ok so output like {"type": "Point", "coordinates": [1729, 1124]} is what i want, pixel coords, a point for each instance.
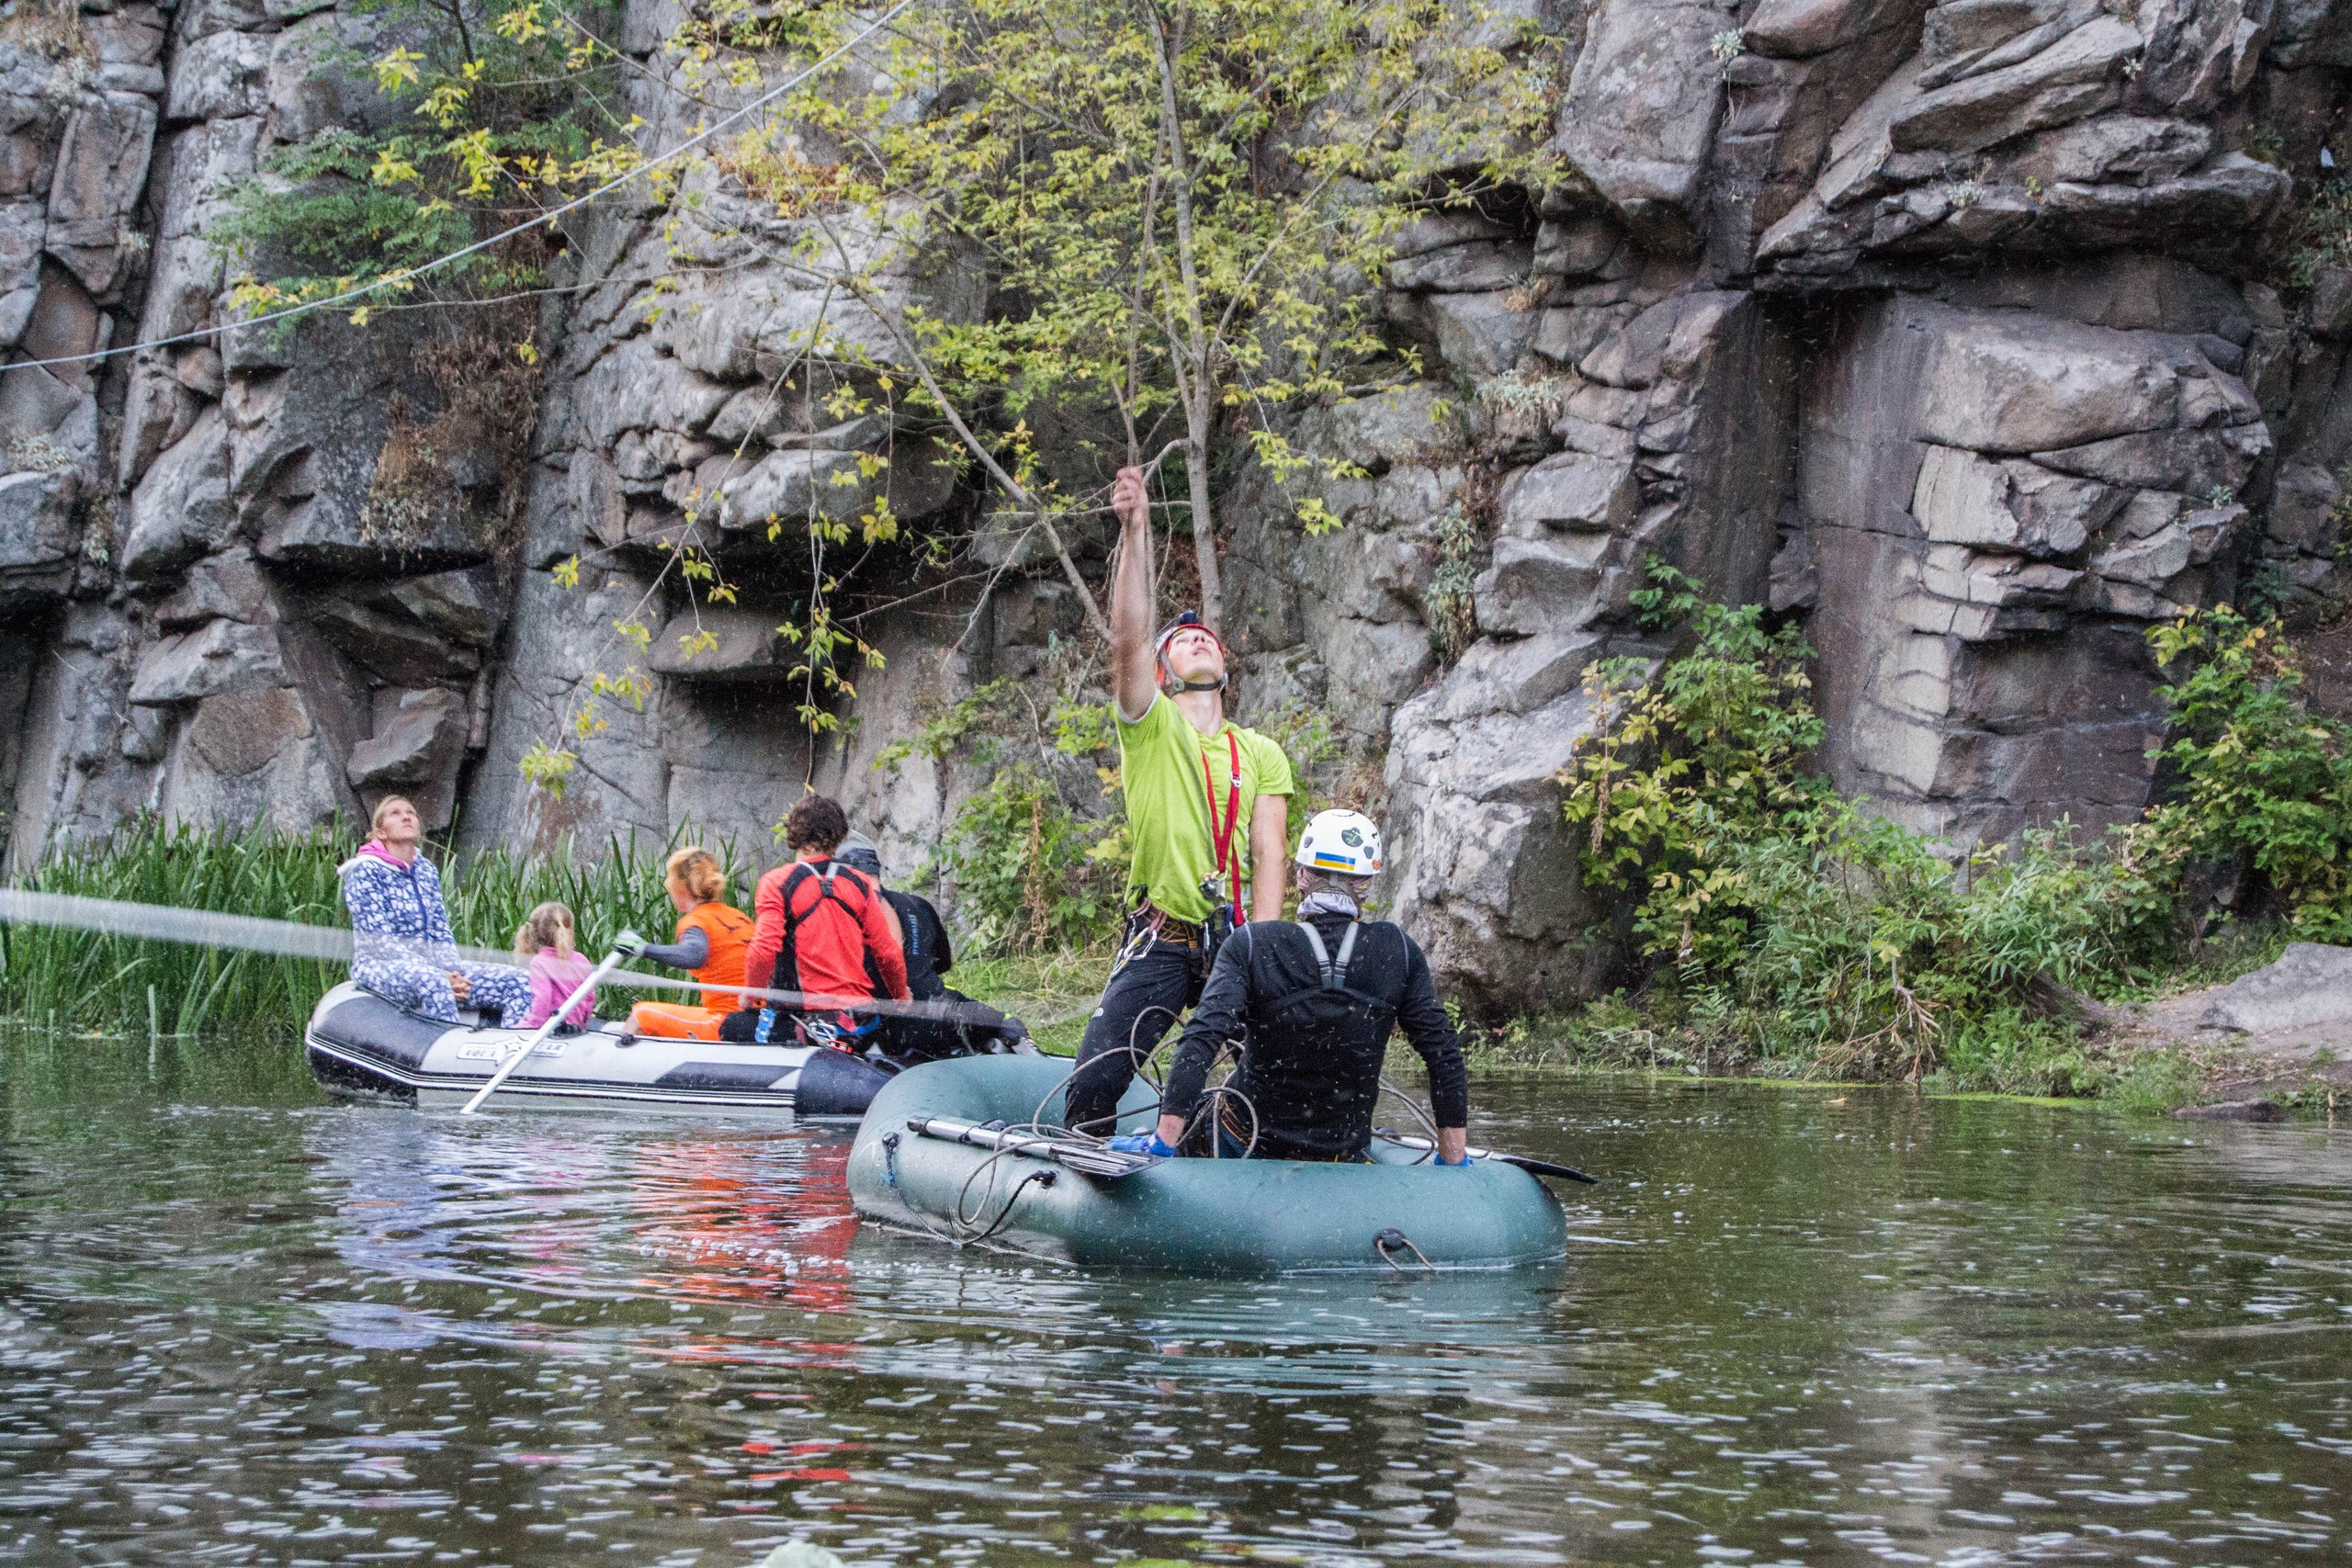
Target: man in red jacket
{"type": "Point", "coordinates": [818, 927]}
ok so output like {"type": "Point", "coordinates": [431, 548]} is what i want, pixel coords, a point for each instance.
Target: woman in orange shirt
{"type": "Point", "coordinates": [712, 937]}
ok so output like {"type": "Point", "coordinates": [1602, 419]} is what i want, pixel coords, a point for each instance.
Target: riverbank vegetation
{"type": "Point", "coordinates": [72, 979]}
{"type": "Point", "coordinates": [1772, 926]}
{"type": "Point", "coordinates": [1778, 927]}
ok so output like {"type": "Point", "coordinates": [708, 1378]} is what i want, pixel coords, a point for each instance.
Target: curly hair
{"type": "Point", "coordinates": [697, 871]}
{"type": "Point", "coordinates": [817, 823]}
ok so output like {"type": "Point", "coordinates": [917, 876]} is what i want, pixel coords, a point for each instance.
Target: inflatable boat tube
{"type": "Point", "coordinates": [360, 1046]}
{"type": "Point", "coordinates": [1194, 1216]}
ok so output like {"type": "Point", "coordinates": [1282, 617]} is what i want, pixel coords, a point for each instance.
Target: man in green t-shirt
{"type": "Point", "coordinates": [1206, 800]}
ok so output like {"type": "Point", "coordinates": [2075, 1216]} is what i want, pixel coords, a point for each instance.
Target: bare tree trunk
{"type": "Point", "coordinates": [1196, 470]}
{"type": "Point", "coordinates": [1195, 341]}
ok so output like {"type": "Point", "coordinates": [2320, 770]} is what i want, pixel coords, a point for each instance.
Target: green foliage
{"type": "Point", "coordinates": [318, 221]}
{"type": "Point", "coordinates": [1694, 766]}
{"type": "Point", "coordinates": [1461, 542]}
{"type": "Point", "coordinates": [509, 119]}
{"type": "Point", "coordinates": [1783, 916]}
{"type": "Point", "coordinates": [2321, 234]}
{"type": "Point", "coordinates": [1031, 874]}
{"type": "Point", "coordinates": [1035, 861]}
{"type": "Point", "coordinates": [1783, 920]}
{"type": "Point", "coordinates": [2260, 777]}
{"type": "Point", "coordinates": [1179, 210]}
{"type": "Point", "coordinates": [83, 980]}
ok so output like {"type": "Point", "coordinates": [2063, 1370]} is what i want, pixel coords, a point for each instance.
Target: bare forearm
{"type": "Point", "coordinates": [1269, 855]}
{"type": "Point", "coordinates": [1131, 598]}
{"type": "Point", "coordinates": [1131, 587]}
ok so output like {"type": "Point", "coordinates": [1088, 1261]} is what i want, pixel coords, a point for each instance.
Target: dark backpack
{"type": "Point", "coordinates": [1331, 1007]}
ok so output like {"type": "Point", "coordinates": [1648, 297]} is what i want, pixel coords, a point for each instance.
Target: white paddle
{"type": "Point", "coordinates": [612, 961]}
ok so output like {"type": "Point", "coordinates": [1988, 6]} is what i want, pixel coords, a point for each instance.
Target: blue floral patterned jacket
{"type": "Point", "coordinates": [397, 914]}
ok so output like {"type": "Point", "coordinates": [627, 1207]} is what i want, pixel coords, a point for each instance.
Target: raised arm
{"type": "Point", "coordinates": [1134, 683]}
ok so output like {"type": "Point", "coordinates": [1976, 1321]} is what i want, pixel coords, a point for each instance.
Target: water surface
{"type": "Point", "coordinates": [241, 1324]}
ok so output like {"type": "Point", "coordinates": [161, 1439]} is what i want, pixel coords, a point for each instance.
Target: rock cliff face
{"type": "Point", "coordinates": [1956, 330]}
{"type": "Point", "coordinates": [1975, 333]}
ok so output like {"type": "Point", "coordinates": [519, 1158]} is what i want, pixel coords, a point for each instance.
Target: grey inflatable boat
{"type": "Point", "coordinates": [360, 1046]}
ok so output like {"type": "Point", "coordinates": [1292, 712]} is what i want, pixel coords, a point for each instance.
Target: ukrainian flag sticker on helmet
{"type": "Point", "coordinates": [1344, 841]}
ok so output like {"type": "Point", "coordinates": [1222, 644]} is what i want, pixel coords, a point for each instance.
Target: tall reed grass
{"type": "Point", "coordinates": [82, 980]}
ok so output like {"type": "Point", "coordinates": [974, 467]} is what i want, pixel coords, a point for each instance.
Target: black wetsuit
{"type": "Point", "coordinates": [1314, 1082]}
{"type": "Point", "coordinates": [977, 1027]}
{"type": "Point", "coordinates": [924, 937]}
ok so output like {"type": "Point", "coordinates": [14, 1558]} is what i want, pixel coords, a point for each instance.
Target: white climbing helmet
{"type": "Point", "coordinates": [1343, 842]}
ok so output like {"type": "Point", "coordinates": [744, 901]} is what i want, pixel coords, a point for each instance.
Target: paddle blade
{"type": "Point", "coordinates": [1527, 1162]}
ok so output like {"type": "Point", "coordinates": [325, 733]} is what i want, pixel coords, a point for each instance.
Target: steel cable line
{"type": "Point", "coordinates": [407, 273]}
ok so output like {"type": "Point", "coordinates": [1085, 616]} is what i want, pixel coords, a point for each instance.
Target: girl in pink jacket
{"type": "Point", "coordinates": [557, 967]}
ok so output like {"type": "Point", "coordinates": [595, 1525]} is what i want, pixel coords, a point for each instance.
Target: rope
{"type": "Point", "coordinates": [1413, 1107]}
{"type": "Point", "coordinates": [548, 217]}
{"type": "Point", "coordinates": [292, 939]}
{"type": "Point", "coordinates": [1391, 1238]}
{"type": "Point", "coordinates": [1042, 1178]}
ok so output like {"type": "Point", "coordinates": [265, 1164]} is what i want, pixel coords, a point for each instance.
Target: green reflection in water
{"type": "Point", "coordinates": [241, 1324]}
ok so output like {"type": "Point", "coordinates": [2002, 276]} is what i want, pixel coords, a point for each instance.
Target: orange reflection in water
{"type": "Point", "coordinates": [741, 1229]}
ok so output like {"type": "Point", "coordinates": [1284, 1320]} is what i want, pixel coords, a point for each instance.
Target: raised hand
{"type": "Point", "coordinates": [1128, 499]}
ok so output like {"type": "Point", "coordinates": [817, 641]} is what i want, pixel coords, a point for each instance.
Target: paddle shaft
{"type": "Point", "coordinates": [1533, 1166]}
{"type": "Point", "coordinates": [612, 961]}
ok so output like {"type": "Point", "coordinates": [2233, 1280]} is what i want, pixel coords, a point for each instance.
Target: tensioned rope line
{"type": "Point", "coordinates": [407, 273]}
{"type": "Point", "coordinates": [291, 939]}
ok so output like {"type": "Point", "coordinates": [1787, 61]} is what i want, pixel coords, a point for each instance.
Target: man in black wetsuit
{"type": "Point", "coordinates": [1313, 1004]}
{"type": "Point", "coordinates": [922, 937]}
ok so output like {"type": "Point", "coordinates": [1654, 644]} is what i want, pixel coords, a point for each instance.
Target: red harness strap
{"type": "Point", "coordinates": [1227, 860]}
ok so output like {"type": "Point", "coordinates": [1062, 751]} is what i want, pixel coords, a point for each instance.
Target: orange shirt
{"type": "Point", "coordinates": [728, 932]}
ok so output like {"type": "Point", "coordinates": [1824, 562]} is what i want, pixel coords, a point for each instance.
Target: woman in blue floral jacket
{"type": "Point", "coordinates": [402, 947]}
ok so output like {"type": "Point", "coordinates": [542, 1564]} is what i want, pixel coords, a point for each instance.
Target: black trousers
{"type": "Point", "coordinates": [1144, 999]}
{"type": "Point", "coordinates": [977, 1029]}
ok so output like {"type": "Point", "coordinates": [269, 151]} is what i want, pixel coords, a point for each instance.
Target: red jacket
{"type": "Point", "coordinates": [828, 949]}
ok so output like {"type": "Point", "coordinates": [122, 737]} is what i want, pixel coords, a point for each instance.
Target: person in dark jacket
{"type": "Point", "coordinates": [1313, 1003]}
{"type": "Point", "coordinates": [975, 1027]}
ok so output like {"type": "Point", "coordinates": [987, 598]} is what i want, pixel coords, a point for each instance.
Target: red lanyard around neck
{"type": "Point", "coordinates": [1227, 860]}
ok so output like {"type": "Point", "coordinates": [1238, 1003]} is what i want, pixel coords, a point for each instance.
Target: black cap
{"type": "Point", "coordinates": [858, 852]}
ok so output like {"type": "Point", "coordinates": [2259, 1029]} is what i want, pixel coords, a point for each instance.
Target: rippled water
{"type": "Point", "coordinates": [241, 1324]}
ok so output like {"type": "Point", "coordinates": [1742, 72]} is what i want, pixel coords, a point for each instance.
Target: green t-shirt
{"type": "Point", "coordinates": [1168, 801]}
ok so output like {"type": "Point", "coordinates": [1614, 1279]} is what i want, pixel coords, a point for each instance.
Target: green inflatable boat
{"type": "Point", "coordinates": [929, 1157]}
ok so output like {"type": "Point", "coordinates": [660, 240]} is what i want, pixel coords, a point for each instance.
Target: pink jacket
{"type": "Point", "coordinates": [554, 977]}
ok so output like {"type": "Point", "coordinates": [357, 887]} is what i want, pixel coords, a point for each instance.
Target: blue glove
{"type": "Point", "coordinates": [1139, 1143]}
{"type": "Point", "coordinates": [1457, 1164]}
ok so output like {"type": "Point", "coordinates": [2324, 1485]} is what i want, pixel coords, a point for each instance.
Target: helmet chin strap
{"type": "Point", "coordinates": [1173, 685]}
